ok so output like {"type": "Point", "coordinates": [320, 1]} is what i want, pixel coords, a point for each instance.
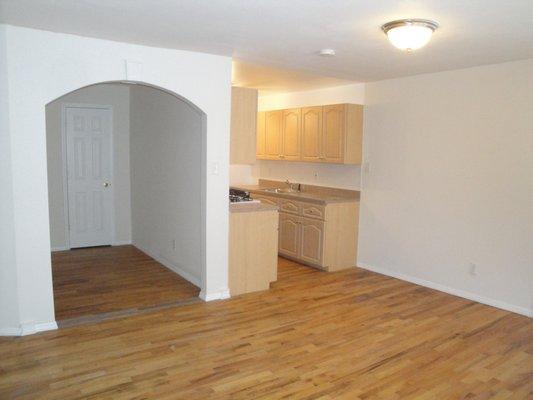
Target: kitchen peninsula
{"type": "Point", "coordinates": [253, 247]}
{"type": "Point", "coordinates": [318, 226]}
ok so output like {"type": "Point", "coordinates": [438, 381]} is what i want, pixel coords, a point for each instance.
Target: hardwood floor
{"type": "Point", "coordinates": [345, 335]}
{"type": "Point", "coordinates": [100, 280]}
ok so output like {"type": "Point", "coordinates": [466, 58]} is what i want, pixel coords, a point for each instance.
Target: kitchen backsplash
{"type": "Point", "coordinates": [341, 176]}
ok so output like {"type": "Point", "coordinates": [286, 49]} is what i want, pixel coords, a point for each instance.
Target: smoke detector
{"type": "Point", "coordinates": [326, 53]}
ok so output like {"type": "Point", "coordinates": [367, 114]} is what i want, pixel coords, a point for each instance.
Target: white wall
{"type": "Point", "coordinates": [117, 96]}
{"type": "Point", "coordinates": [333, 175]}
{"type": "Point", "coordinates": [42, 66]}
{"type": "Point", "coordinates": [354, 93]}
{"type": "Point", "coordinates": [9, 315]}
{"type": "Point", "coordinates": [451, 182]}
{"type": "Point", "coordinates": [166, 146]}
{"type": "Point", "coordinates": [342, 176]}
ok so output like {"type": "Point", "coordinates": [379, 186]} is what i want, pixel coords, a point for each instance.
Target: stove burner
{"type": "Point", "coordinates": [238, 199]}
{"type": "Point", "coordinates": [237, 196]}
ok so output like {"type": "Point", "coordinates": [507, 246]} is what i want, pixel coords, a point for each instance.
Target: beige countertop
{"type": "Point", "coordinates": [312, 194]}
{"type": "Point", "coordinates": [253, 207]}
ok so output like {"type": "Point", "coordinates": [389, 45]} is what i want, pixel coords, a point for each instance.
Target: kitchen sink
{"type": "Point", "coordinates": [280, 190]}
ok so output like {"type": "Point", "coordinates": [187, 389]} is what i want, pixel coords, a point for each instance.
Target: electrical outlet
{"type": "Point", "coordinates": [472, 268]}
{"type": "Point", "coordinates": [173, 244]}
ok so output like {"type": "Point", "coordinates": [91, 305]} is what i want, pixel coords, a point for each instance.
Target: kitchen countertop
{"type": "Point", "coordinates": [253, 207]}
{"type": "Point", "coordinates": [321, 196]}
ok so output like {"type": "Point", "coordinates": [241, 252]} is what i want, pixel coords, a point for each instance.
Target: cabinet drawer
{"type": "Point", "coordinates": [289, 206]}
{"type": "Point", "coordinates": [264, 199]}
{"type": "Point", "coordinates": [313, 211]}
{"type": "Point", "coordinates": [289, 235]}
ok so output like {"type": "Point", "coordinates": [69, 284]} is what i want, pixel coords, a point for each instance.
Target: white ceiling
{"type": "Point", "coordinates": [288, 33]}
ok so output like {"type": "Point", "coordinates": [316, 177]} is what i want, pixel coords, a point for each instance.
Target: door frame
{"type": "Point", "coordinates": [64, 107]}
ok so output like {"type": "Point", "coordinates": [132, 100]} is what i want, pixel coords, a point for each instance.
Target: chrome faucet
{"type": "Point", "coordinates": [291, 185]}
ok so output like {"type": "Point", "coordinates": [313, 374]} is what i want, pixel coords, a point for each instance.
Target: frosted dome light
{"type": "Point", "coordinates": [409, 34]}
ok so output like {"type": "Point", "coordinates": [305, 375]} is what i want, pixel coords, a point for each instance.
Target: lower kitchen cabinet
{"type": "Point", "coordinates": [311, 241]}
{"type": "Point", "coordinates": [289, 235]}
{"type": "Point", "coordinates": [301, 238]}
{"type": "Point", "coordinates": [323, 236]}
{"type": "Point", "coordinates": [253, 250]}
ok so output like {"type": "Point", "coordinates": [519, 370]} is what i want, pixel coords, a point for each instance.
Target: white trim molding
{"type": "Point", "coordinates": [121, 243]}
{"type": "Point", "coordinates": [13, 331]}
{"type": "Point", "coordinates": [29, 328]}
{"type": "Point", "coordinates": [59, 248]}
{"type": "Point", "coordinates": [221, 294]}
{"type": "Point", "coordinates": [115, 243]}
{"type": "Point", "coordinates": [446, 289]}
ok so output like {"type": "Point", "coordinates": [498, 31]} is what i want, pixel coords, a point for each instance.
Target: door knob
{"type": "Point", "coordinates": [106, 184]}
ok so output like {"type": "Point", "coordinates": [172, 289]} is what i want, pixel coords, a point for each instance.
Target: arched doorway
{"type": "Point", "coordinates": [39, 74]}
{"type": "Point", "coordinates": [150, 193]}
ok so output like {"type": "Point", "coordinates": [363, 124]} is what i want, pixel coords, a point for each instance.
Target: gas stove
{"type": "Point", "coordinates": [240, 196]}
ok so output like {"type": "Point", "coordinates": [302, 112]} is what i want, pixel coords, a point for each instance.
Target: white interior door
{"type": "Point", "coordinates": [89, 155]}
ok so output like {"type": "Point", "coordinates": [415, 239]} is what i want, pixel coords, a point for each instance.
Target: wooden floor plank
{"type": "Point", "coordinates": [98, 280]}
{"type": "Point", "coordinates": [345, 335]}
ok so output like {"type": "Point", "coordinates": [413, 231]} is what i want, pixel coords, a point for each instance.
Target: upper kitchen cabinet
{"type": "Point", "coordinates": [333, 133]}
{"type": "Point", "coordinates": [243, 125]}
{"type": "Point", "coordinates": [341, 138]}
{"type": "Point", "coordinates": [278, 135]}
{"type": "Point", "coordinates": [351, 128]}
{"type": "Point", "coordinates": [311, 133]}
{"type": "Point", "coordinates": [273, 135]}
{"type": "Point", "coordinates": [261, 136]}
{"type": "Point", "coordinates": [326, 134]}
{"type": "Point", "coordinates": [291, 133]}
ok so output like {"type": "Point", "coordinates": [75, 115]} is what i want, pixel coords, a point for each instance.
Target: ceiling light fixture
{"type": "Point", "coordinates": [326, 53]}
{"type": "Point", "coordinates": [409, 34]}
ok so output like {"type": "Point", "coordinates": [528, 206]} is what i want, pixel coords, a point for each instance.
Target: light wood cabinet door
{"type": "Point", "coordinates": [291, 133]}
{"type": "Point", "coordinates": [273, 139]}
{"type": "Point", "coordinates": [312, 134]}
{"type": "Point", "coordinates": [333, 133]}
{"type": "Point", "coordinates": [289, 235]}
{"type": "Point", "coordinates": [261, 138]}
{"type": "Point", "coordinates": [311, 241]}
{"type": "Point", "coordinates": [243, 125]}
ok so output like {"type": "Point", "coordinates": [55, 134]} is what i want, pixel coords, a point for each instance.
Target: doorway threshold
{"type": "Point", "coordinates": [97, 318]}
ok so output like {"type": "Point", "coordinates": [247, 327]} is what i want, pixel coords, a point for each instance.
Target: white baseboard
{"type": "Point", "coordinates": [218, 295]}
{"type": "Point", "coordinates": [121, 243]}
{"type": "Point", "coordinates": [59, 248]}
{"type": "Point", "coordinates": [28, 329]}
{"type": "Point", "coordinates": [171, 266]}
{"type": "Point", "coordinates": [453, 291]}
{"type": "Point", "coordinates": [115, 243]}
{"type": "Point", "coordinates": [10, 331]}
